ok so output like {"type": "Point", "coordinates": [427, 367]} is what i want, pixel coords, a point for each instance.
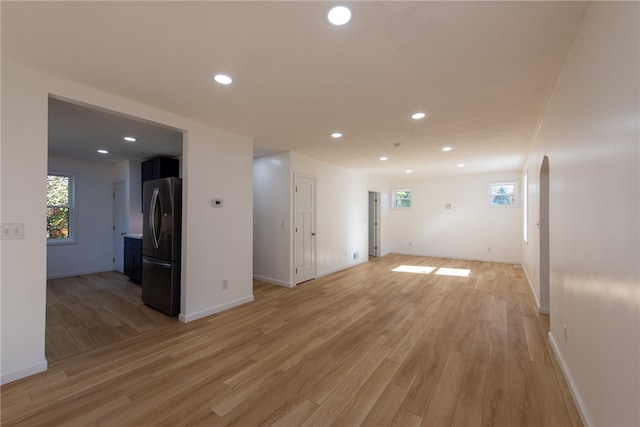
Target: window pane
{"type": "Point", "coordinates": [57, 223]}
{"type": "Point", "coordinates": [57, 190]}
{"type": "Point", "coordinates": [402, 198]}
{"type": "Point", "coordinates": [502, 194]}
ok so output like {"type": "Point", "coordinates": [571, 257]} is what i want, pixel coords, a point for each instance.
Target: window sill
{"type": "Point", "coordinates": [60, 242]}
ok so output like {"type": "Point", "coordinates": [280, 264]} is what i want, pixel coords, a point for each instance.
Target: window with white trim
{"type": "Point", "coordinates": [61, 220]}
{"type": "Point", "coordinates": [401, 198]}
{"type": "Point", "coordinates": [502, 194]}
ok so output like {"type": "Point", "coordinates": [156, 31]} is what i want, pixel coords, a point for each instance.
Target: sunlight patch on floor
{"type": "Point", "coordinates": [460, 272]}
{"type": "Point", "coordinates": [414, 269]}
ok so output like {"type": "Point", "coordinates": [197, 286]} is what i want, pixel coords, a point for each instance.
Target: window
{"type": "Point", "coordinates": [401, 199]}
{"type": "Point", "coordinates": [503, 194]}
{"type": "Point", "coordinates": [60, 208]}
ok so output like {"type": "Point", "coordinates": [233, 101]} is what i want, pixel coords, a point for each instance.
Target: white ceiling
{"type": "Point", "coordinates": [482, 71]}
{"type": "Point", "coordinates": [77, 131]}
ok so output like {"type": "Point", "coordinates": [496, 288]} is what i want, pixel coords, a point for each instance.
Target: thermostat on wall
{"type": "Point", "coordinates": [216, 203]}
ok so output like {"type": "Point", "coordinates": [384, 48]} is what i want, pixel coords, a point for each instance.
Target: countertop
{"type": "Point", "coordinates": [134, 236]}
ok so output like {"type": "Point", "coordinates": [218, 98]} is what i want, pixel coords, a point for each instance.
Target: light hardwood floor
{"type": "Point", "coordinates": [94, 310]}
{"type": "Point", "coordinates": [364, 346]}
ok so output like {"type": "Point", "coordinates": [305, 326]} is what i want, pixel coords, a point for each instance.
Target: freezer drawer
{"type": "Point", "coordinates": [161, 285]}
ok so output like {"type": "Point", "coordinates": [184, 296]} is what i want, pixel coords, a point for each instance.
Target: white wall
{"type": "Point", "coordinates": [591, 132]}
{"type": "Point", "coordinates": [469, 230]}
{"type": "Point", "coordinates": [342, 200]}
{"type": "Point", "coordinates": [24, 195]}
{"type": "Point", "coordinates": [93, 251]}
{"type": "Point", "coordinates": [272, 219]}
{"type": "Point", "coordinates": [217, 244]}
{"type": "Point", "coordinates": [341, 216]}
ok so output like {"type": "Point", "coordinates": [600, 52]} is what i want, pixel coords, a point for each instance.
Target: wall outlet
{"type": "Point", "coordinates": [225, 284]}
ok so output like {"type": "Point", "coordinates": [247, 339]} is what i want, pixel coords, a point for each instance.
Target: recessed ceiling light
{"type": "Point", "coordinates": [103, 152]}
{"type": "Point", "coordinates": [447, 148]}
{"type": "Point", "coordinates": [408, 171]}
{"type": "Point", "coordinates": [129, 138]}
{"type": "Point", "coordinates": [418, 116]}
{"type": "Point", "coordinates": [339, 15]}
{"type": "Point", "coordinates": [460, 165]}
{"type": "Point", "coordinates": [383, 158]}
{"type": "Point", "coordinates": [223, 79]}
{"type": "Point", "coordinates": [336, 135]}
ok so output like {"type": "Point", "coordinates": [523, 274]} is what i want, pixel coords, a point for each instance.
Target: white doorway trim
{"type": "Point", "coordinates": [545, 272]}
{"type": "Point", "coordinates": [120, 226]}
{"type": "Point", "coordinates": [374, 223]}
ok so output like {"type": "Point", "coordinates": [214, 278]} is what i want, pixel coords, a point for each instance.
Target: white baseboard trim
{"type": "Point", "coordinates": [586, 420]}
{"type": "Point", "coordinates": [497, 261]}
{"type": "Point", "coordinates": [24, 372]}
{"type": "Point", "coordinates": [274, 281]}
{"type": "Point", "coordinates": [79, 273]}
{"type": "Point", "coordinates": [344, 267]}
{"type": "Point", "coordinates": [186, 318]}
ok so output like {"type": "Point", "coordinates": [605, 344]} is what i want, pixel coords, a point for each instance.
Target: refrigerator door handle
{"type": "Point", "coordinates": [159, 264]}
{"type": "Point", "coordinates": [152, 216]}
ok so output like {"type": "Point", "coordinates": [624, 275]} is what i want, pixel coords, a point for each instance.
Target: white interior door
{"type": "Point", "coordinates": [304, 228]}
{"type": "Point", "coordinates": [119, 224]}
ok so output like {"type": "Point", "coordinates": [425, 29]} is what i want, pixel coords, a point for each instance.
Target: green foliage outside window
{"type": "Point", "coordinates": [402, 198]}
{"type": "Point", "coordinates": [58, 206]}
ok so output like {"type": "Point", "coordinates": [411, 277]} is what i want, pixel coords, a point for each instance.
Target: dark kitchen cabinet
{"type": "Point", "coordinates": [158, 167]}
{"type": "Point", "coordinates": [133, 258]}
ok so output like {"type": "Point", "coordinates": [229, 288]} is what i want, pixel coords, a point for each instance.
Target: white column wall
{"type": "Point", "coordinates": [591, 132]}
{"type": "Point", "coordinates": [24, 195]}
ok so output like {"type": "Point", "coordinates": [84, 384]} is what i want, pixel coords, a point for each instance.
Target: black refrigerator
{"type": "Point", "coordinates": [161, 246]}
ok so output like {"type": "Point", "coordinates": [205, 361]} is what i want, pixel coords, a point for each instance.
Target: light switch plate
{"type": "Point", "coordinates": [12, 231]}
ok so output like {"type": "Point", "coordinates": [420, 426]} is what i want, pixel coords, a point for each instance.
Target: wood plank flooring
{"type": "Point", "coordinates": [94, 310]}
{"type": "Point", "coordinates": [364, 346]}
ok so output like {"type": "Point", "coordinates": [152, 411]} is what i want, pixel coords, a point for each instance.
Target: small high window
{"type": "Point", "coordinates": [503, 194]}
{"type": "Point", "coordinates": [401, 198]}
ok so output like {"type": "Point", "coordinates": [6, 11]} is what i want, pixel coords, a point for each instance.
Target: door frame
{"type": "Point", "coordinates": [118, 255]}
{"type": "Point", "coordinates": [374, 223]}
{"type": "Point", "coordinates": [543, 230]}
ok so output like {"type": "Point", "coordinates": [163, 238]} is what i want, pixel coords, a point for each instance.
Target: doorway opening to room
{"type": "Point", "coordinates": [98, 154]}
{"type": "Point", "coordinates": [374, 224]}
{"type": "Point", "coordinates": [545, 285]}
